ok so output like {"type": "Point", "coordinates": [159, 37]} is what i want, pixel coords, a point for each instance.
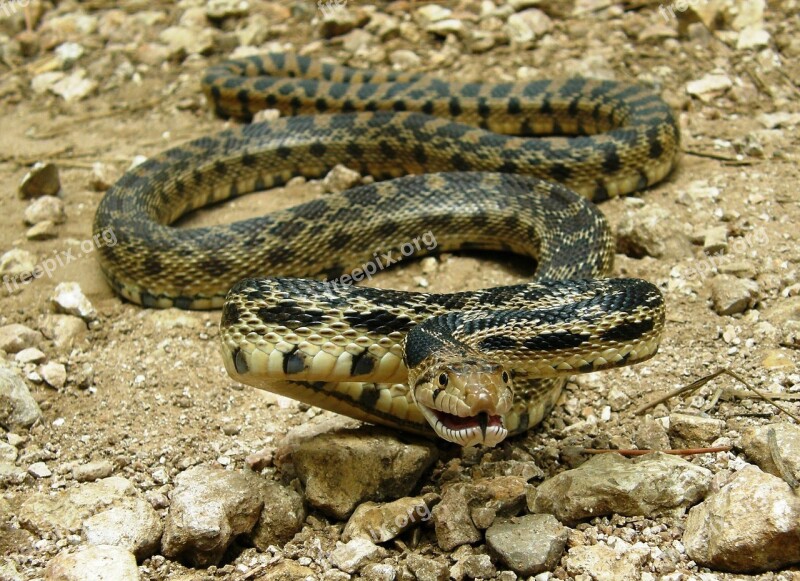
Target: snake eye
{"type": "Point", "coordinates": [443, 379]}
{"type": "Point", "coordinates": [505, 377]}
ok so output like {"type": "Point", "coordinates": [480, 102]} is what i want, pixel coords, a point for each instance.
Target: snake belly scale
{"type": "Point", "coordinates": [470, 367]}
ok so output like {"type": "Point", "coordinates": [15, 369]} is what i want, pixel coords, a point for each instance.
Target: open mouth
{"type": "Point", "coordinates": [469, 430]}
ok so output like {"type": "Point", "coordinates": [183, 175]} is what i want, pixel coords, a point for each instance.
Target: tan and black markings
{"type": "Point", "coordinates": [481, 364]}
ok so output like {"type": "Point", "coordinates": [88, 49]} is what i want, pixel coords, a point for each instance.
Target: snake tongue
{"type": "Point", "coordinates": [483, 423]}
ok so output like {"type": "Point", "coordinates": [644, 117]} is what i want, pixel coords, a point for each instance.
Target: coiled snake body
{"type": "Point", "coordinates": [471, 367]}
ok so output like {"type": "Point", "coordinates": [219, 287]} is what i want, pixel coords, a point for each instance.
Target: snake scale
{"type": "Point", "coordinates": [471, 367]}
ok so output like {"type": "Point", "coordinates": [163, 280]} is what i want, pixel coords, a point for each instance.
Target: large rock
{"type": "Point", "coordinates": [209, 508]}
{"type": "Point", "coordinates": [282, 517]}
{"type": "Point", "coordinates": [755, 442]}
{"type": "Point", "coordinates": [343, 469]}
{"type": "Point", "coordinates": [93, 563]}
{"type": "Point", "coordinates": [529, 544]}
{"type": "Point", "coordinates": [18, 409]}
{"type": "Point", "coordinates": [752, 524]}
{"type": "Point", "coordinates": [611, 484]}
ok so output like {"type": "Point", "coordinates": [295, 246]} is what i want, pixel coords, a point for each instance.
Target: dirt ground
{"type": "Point", "coordinates": [160, 398]}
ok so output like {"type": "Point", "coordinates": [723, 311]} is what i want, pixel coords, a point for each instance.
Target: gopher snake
{"type": "Point", "coordinates": [483, 364]}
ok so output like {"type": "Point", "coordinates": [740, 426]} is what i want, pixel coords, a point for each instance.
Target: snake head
{"type": "Point", "coordinates": [465, 401]}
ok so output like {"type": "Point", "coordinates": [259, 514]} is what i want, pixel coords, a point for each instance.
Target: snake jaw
{"type": "Point", "coordinates": [465, 402]}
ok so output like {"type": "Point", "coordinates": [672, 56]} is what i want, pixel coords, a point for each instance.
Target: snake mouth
{"type": "Point", "coordinates": [482, 428]}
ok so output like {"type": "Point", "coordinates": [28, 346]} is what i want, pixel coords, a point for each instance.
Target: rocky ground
{"type": "Point", "coordinates": [127, 452]}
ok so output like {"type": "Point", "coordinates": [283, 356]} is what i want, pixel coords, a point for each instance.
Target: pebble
{"type": "Point", "coordinates": [41, 180]}
{"type": "Point", "coordinates": [103, 176]}
{"type": "Point", "coordinates": [92, 471]}
{"type": "Point", "coordinates": [74, 87]}
{"type": "Point", "coordinates": [132, 524]}
{"type": "Point", "coordinates": [752, 524]}
{"type": "Point", "coordinates": [710, 87]}
{"type": "Point", "coordinates": [182, 41]}
{"type": "Point", "coordinates": [18, 409]}
{"type": "Point", "coordinates": [529, 544]}
{"type": "Point", "coordinates": [715, 240]}
{"type": "Point", "coordinates": [45, 230]}
{"type": "Point", "coordinates": [95, 563]}
{"type": "Point", "coordinates": [39, 470]}
{"type": "Point", "coordinates": [370, 465]}
{"type": "Point", "coordinates": [753, 38]}
{"type": "Point", "coordinates": [339, 179]}
{"type": "Point", "coordinates": [403, 59]}
{"type": "Point", "coordinates": [651, 435]}
{"type": "Point", "coordinates": [378, 572]}
{"type": "Point", "coordinates": [477, 567]}
{"type": "Point", "coordinates": [622, 562]}
{"type": "Point", "coordinates": [525, 27]}
{"type": "Point", "coordinates": [65, 331]}
{"type": "Point", "coordinates": [383, 522]}
{"type": "Point", "coordinates": [778, 361]}
{"type": "Point", "coordinates": [453, 522]}
{"type": "Point", "coordinates": [731, 295]}
{"type": "Point", "coordinates": [54, 374]}
{"type": "Point", "coordinates": [68, 53]}
{"type": "Point", "coordinates": [69, 299]}
{"type": "Point", "coordinates": [425, 569]}
{"type": "Point", "coordinates": [610, 483]}
{"type": "Point", "coordinates": [209, 508]}
{"type": "Point", "coordinates": [15, 338]}
{"type": "Point", "coordinates": [282, 517]}
{"type": "Point", "coordinates": [17, 264]}
{"type": "Point", "coordinates": [340, 20]}
{"type": "Point", "coordinates": [642, 232]}
{"type": "Point", "coordinates": [447, 26]}
{"type": "Point", "coordinates": [355, 554]}
{"type": "Point", "coordinates": [221, 9]}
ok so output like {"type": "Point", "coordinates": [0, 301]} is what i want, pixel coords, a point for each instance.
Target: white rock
{"type": "Point", "coordinates": [95, 563]}
{"type": "Point", "coordinates": [74, 87]}
{"type": "Point", "coordinates": [404, 59]}
{"type": "Point", "coordinates": [45, 208]}
{"type": "Point", "coordinates": [44, 82]}
{"type": "Point", "coordinates": [54, 374]}
{"type": "Point", "coordinates": [709, 87]}
{"type": "Point", "coordinates": [16, 263]}
{"type": "Point", "coordinates": [68, 53]}
{"type": "Point", "coordinates": [39, 470]}
{"type": "Point", "coordinates": [432, 13]}
{"type": "Point", "coordinates": [752, 38]}
{"type": "Point", "coordinates": [356, 553]}
{"type": "Point", "coordinates": [30, 355]}
{"type": "Point", "coordinates": [70, 300]}
{"type": "Point", "coordinates": [528, 25]}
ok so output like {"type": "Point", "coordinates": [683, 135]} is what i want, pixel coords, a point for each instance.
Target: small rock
{"type": "Point", "coordinates": [17, 267]}
{"type": "Point", "coordinates": [453, 522]}
{"type": "Point", "coordinates": [95, 563]}
{"type": "Point", "coordinates": [739, 269]}
{"type": "Point", "coordinates": [529, 544]}
{"type": "Point", "coordinates": [383, 522]}
{"type": "Point", "coordinates": [355, 554]}
{"type": "Point", "coordinates": [30, 355]}
{"type": "Point", "coordinates": [18, 409]}
{"type": "Point", "coordinates": [403, 59]}
{"type": "Point", "coordinates": [41, 180]}
{"type": "Point", "coordinates": [44, 82]}
{"type": "Point", "coordinates": [282, 517]}
{"type": "Point", "coordinates": [643, 232]}
{"type": "Point", "coordinates": [731, 295]}
{"type": "Point", "coordinates": [183, 41]}
{"type": "Point", "coordinates": [750, 525]}
{"type": "Point", "coordinates": [431, 13]}
{"type": "Point", "coordinates": [340, 178]}
{"type": "Point", "coordinates": [210, 507]}
{"type": "Point", "coordinates": [70, 300]}
{"type": "Point", "coordinates": [222, 9]}
{"type": "Point", "coordinates": [92, 471]}
{"type": "Point", "coordinates": [54, 374]}
{"type": "Point", "coordinates": [74, 87]}
{"type": "Point", "coordinates": [622, 562]}
{"type": "Point", "coordinates": [691, 431]}
{"type": "Point", "coordinates": [526, 26]}
{"type": "Point", "coordinates": [338, 19]}
{"type": "Point", "coordinates": [39, 470]}
{"type": "Point", "coordinates": [610, 483]}
{"type": "Point", "coordinates": [447, 26]}
{"type": "Point", "coordinates": [371, 465]}
{"type": "Point", "coordinates": [715, 240]}
{"type": "Point", "coordinates": [103, 176]}
{"type": "Point", "coordinates": [42, 231]}
{"type": "Point", "coordinates": [752, 38]}
{"type": "Point", "coordinates": [478, 567]}
{"type": "Point", "coordinates": [425, 569]}
{"type": "Point", "coordinates": [378, 572]}
{"type": "Point", "coordinates": [755, 442]}
{"type": "Point", "coordinates": [651, 435]}
{"type": "Point", "coordinates": [65, 330]}
{"type": "Point", "coordinates": [709, 87]}
{"type": "Point", "coordinates": [778, 361]}
{"type": "Point", "coordinates": [132, 524]}
{"type": "Point", "coordinates": [15, 337]}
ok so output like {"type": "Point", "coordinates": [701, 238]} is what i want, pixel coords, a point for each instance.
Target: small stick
{"type": "Point", "coordinates": [719, 157]}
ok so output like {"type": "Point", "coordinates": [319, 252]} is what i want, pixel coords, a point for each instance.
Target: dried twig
{"type": "Point", "coordinates": [703, 380]}
{"type": "Point", "coordinates": [719, 157]}
{"type": "Point", "coordinates": [676, 452]}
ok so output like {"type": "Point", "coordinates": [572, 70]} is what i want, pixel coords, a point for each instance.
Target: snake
{"type": "Point", "coordinates": [507, 167]}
